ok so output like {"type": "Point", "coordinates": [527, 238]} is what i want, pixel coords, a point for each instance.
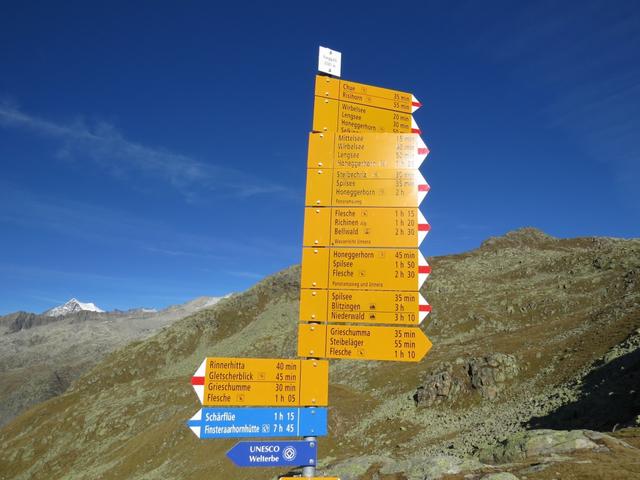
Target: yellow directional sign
{"type": "Point", "coordinates": [364, 226]}
{"type": "Point", "coordinates": [363, 268]}
{"type": "Point", "coordinates": [365, 150]}
{"type": "Point", "coordinates": [334, 116]}
{"type": "Point", "coordinates": [227, 381]}
{"type": "Point", "coordinates": [328, 87]}
{"type": "Point", "coordinates": [358, 342]}
{"type": "Point", "coordinates": [367, 187]}
{"type": "Point", "coordinates": [363, 306]}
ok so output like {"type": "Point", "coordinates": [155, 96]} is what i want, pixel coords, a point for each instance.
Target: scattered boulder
{"type": "Point", "coordinates": [486, 375]}
{"type": "Point", "coordinates": [541, 443]}
{"type": "Point", "coordinates": [417, 468]}
{"type": "Point", "coordinates": [442, 386]}
{"type": "Point", "coordinates": [432, 467]}
{"type": "Point", "coordinates": [489, 373]}
{"type": "Point", "coordinates": [356, 467]}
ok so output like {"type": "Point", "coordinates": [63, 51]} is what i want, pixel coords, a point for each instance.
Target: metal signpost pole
{"type": "Point", "coordinates": [329, 62]}
{"type": "Point", "coordinates": [309, 471]}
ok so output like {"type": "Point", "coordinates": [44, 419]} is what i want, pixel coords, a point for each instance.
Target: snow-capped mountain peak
{"type": "Point", "coordinates": [72, 306]}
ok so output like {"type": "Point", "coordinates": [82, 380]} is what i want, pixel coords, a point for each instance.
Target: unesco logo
{"type": "Point", "coordinates": [289, 454]}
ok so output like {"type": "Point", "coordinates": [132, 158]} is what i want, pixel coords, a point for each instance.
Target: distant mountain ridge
{"type": "Point", "coordinates": [72, 306]}
{"type": "Point", "coordinates": [42, 354]}
{"type": "Point", "coordinates": [22, 320]}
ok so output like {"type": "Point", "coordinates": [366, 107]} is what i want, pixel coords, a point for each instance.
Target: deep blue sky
{"type": "Point", "coordinates": [152, 152]}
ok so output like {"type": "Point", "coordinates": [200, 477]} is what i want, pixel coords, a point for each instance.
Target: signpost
{"type": "Point", "coordinates": [362, 271]}
{"type": "Point", "coordinates": [327, 87]}
{"type": "Point", "coordinates": [274, 454]}
{"type": "Point", "coordinates": [258, 422]}
{"type": "Point", "coordinates": [343, 117]}
{"type": "Point", "coordinates": [360, 342]}
{"type": "Point", "coordinates": [363, 268]}
{"type": "Point", "coordinates": [365, 227]}
{"type": "Point", "coordinates": [370, 187]}
{"type": "Point", "coordinates": [365, 150]}
{"type": "Point", "coordinates": [227, 381]}
{"type": "Point", "coordinates": [355, 306]}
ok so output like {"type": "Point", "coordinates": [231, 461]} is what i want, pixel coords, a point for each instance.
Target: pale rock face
{"type": "Point", "coordinates": [72, 306]}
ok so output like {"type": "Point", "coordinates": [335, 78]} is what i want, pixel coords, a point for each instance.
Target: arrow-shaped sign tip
{"type": "Point", "coordinates": [197, 381]}
{"type": "Point", "coordinates": [423, 307]}
{"type": "Point", "coordinates": [415, 104]}
{"type": "Point", "coordinates": [423, 188]}
{"type": "Point", "coordinates": [194, 423]}
{"type": "Point", "coordinates": [422, 150]}
{"type": "Point", "coordinates": [414, 127]}
{"type": "Point", "coordinates": [423, 227]}
{"type": "Point", "coordinates": [424, 345]}
{"type": "Point", "coordinates": [423, 269]}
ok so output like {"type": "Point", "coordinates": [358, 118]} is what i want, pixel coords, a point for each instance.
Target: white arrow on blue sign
{"type": "Point", "coordinates": [259, 422]}
{"type": "Point", "coordinates": [295, 453]}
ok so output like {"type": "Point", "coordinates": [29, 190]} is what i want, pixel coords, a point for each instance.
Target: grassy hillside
{"type": "Point", "coordinates": [521, 327]}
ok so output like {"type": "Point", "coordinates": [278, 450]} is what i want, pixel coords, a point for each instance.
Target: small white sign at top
{"type": "Point", "coordinates": [329, 61]}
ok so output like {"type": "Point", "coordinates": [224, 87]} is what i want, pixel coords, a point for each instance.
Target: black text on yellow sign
{"type": "Point", "coordinates": [343, 117]}
{"type": "Point", "coordinates": [226, 381]}
{"type": "Point", "coordinates": [359, 342]}
{"type": "Point", "coordinates": [363, 268]}
{"type": "Point", "coordinates": [364, 227]}
{"type": "Point", "coordinates": [344, 90]}
{"type": "Point", "coordinates": [363, 306]}
{"type": "Point", "coordinates": [366, 150]}
{"type": "Point", "coordinates": [370, 187]}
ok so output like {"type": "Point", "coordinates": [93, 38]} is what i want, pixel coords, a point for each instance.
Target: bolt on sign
{"type": "Point", "coordinates": [224, 381]}
{"type": "Point", "coordinates": [361, 264]}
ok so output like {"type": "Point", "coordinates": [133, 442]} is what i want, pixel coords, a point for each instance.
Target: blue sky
{"type": "Point", "coordinates": [155, 152]}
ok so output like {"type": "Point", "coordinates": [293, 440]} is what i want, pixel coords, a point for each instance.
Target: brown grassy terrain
{"type": "Point", "coordinates": [564, 313]}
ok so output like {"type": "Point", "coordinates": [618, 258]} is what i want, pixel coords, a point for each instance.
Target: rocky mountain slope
{"type": "Point", "coordinates": [41, 355]}
{"type": "Point", "coordinates": [529, 332]}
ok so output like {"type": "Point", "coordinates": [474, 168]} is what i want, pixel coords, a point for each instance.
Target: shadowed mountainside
{"type": "Point", "coordinates": [518, 326]}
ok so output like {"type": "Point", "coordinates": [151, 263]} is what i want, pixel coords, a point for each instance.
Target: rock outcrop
{"type": "Point", "coordinates": [544, 443]}
{"type": "Point", "coordinates": [487, 375]}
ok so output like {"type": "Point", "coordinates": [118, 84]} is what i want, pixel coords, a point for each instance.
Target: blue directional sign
{"type": "Point", "coordinates": [259, 422]}
{"type": "Point", "coordinates": [295, 453]}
